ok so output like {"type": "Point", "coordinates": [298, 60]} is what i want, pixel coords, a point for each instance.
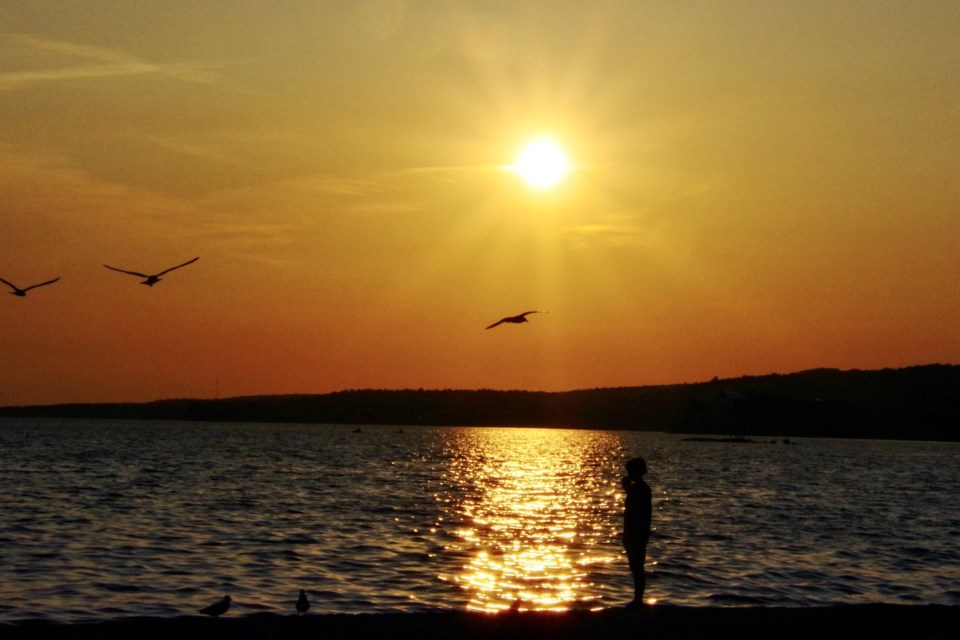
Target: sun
{"type": "Point", "coordinates": [541, 163]}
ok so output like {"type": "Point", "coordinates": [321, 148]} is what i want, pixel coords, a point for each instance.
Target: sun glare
{"type": "Point", "coordinates": [541, 163]}
{"type": "Point", "coordinates": [531, 532]}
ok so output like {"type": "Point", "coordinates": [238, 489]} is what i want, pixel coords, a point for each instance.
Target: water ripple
{"type": "Point", "coordinates": [107, 519]}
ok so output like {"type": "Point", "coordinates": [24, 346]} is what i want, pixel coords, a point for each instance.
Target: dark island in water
{"type": "Point", "coordinates": [914, 403]}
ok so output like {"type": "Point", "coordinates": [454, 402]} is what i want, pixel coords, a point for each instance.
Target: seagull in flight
{"type": "Point", "coordinates": [217, 608]}
{"type": "Point", "coordinates": [17, 291]}
{"type": "Point", "coordinates": [515, 319]}
{"type": "Point", "coordinates": [154, 279]}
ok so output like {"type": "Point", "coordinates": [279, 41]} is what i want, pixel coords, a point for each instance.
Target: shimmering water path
{"type": "Point", "coordinates": [105, 519]}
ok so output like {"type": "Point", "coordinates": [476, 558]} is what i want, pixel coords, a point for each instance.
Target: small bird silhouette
{"type": "Point", "coordinates": [217, 608]}
{"type": "Point", "coordinates": [154, 279]}
{"type": "Point", "coordinates": [515, 319]}
{"type": "Point", "coordinates": [17, 291]}
{"type": "Point", "coordinates": [303, 605]}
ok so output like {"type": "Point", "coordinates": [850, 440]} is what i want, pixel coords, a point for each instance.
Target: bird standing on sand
{"type": "Point", "coordinates": [17, 291]}
{"type": "Point", "coordinates": [515, 319]}
{"type": "Point", "coordinates": [303, 605]}
{"type": "Point", "coordinates": [217, 608]}
{"type": "Point", "coordinates": [154, 279]}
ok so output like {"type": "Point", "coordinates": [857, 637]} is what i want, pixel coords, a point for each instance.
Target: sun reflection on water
{"type": "Point", "coordinates": [539, 510]}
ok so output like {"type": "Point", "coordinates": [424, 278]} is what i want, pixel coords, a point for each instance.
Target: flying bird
{"type": "Point", "coordinates": [515, 319]}
{"type": "Point", "coordinates": [302, 603]}
{"type": "Point", "coordinates": [217, 608]}
{"type": "Point", "coordinates": [154, 279]}
{"type": "Point", "coordinates": [17, 291]}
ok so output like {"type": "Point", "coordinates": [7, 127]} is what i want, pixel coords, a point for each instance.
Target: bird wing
{"type": "Point", "coordinates": [10, 284]}
{"type": "Point", "coordinates": [133, 273]}
{"type": "Point", "coordinates": [42, 284]}
{"type": "Point", "coordinates": [496, 323]}
{"type": "Point", "coordinates": [178, 266]}
{"type": "Point", "coordinates": [526, 313]}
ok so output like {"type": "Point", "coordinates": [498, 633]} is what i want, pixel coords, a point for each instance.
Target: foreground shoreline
{"type": "Point", "coordinates": [661, 621]}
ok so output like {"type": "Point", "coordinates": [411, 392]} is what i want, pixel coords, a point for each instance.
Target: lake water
{"type": "Point", "coordinates": [102, 519]}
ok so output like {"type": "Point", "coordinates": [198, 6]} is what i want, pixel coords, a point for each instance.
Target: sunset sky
{"type": "Point", "coordinates": [754, 187]}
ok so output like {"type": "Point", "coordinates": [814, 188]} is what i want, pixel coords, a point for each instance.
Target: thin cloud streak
{"type": "Point", "coordinates": [111, 63]}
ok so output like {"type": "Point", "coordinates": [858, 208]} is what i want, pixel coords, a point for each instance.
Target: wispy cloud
{"type": "Point", "coordinates": [246, 235]}
{"type": "Point", "coordinates": [362, 195]}
{"type": "Point", "coordinates": [203, 149]}
{"type": "Point", "coordinates": [95, 62]}
{"type": "Point", "coordinates": [618, 231]}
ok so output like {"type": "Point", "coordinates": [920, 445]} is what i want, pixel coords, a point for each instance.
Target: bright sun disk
{"type": "Point", "coordinates": [541, 163]}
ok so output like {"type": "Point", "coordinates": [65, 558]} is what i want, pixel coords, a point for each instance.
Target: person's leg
{"type": "Point", "coordinates": [636, 557]}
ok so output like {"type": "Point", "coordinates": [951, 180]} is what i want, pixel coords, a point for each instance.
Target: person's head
{"type": "Point", "coordinates": [636, 467]}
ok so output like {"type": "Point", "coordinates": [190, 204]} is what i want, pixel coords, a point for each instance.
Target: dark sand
{"type": "Point", "coordinates": [663, 621]}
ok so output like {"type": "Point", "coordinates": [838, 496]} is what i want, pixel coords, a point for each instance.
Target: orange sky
{"type": "Point", "coordinates": [758, 187]}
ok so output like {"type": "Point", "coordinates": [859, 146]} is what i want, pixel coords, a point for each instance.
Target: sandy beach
{"type": "Point", "coordinates": [675, 623]}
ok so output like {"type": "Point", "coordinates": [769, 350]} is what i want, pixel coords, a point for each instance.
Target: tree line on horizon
{"type": "Point", "coordinates": [917, 403]}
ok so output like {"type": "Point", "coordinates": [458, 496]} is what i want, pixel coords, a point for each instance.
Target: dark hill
{"type": "Point", "coordinates": [917, 403]}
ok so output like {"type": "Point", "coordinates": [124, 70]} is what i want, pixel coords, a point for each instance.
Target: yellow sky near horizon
{"type": "Point", "coordinates": [757, 188]}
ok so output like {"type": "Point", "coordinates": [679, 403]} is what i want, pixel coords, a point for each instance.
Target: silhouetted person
{"type": "Point", "coordinates": [637, 515]}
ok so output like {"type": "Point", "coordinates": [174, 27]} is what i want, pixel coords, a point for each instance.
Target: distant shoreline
{"type": "Point", "coordinates": [675, 623]}
{"type": "Point", "coordinates": [911, 403]}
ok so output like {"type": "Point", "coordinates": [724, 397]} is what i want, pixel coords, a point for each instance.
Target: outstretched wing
{"type": "Point", "coordinates": [133, 273]}
{"type": "Point", "coordinates": [517, 318]}
{"type": "Point", "coordinates": [178, 266]}
{"type": "Point", "coordinates": [10, 284]}
{"type": "Point", "coordinates": [42, 284]}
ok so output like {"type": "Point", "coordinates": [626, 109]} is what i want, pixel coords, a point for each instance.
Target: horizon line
{"type": "Point", "coordinates": [715, 379]}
